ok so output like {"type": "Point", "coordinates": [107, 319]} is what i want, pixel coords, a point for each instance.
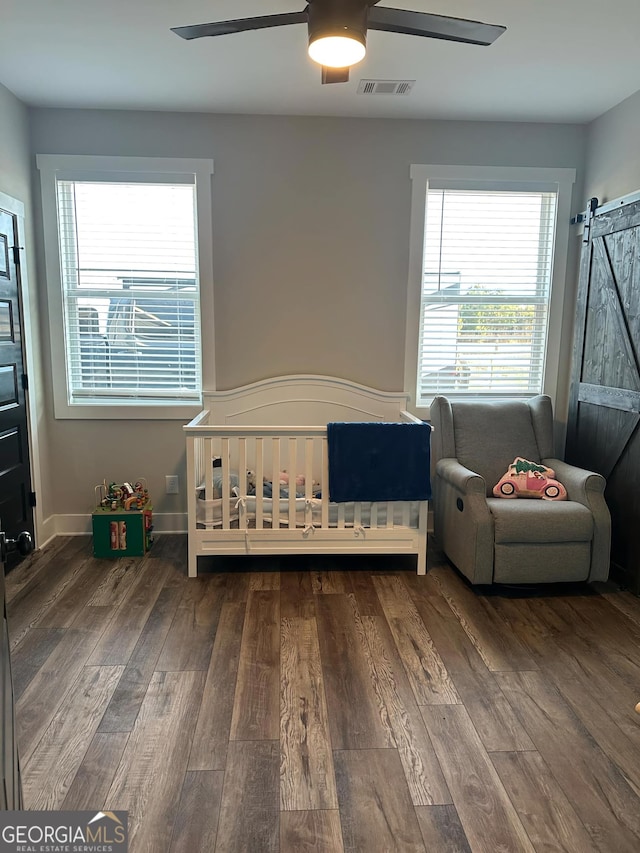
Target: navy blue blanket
{"type": "Point", "coordinates": [379, 461]}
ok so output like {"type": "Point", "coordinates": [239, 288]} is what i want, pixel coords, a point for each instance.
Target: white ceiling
{"type": "Point", "coordinates": [560, 60]}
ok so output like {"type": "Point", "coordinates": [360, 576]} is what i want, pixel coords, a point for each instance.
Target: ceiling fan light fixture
{"type": "Point", "coordinates": [337, 30]}
{"type": "Point", "coordinates": [337, 51]}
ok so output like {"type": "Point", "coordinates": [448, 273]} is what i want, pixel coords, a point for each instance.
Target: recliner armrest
{"type": "Point", "coordinates": [463, 524]}
{"type": "Point", "coordinates": [577, 481]}
{"type": "Point", "coordinates": [462, 478]}
{"type": "Point", "coordinates": [587, 488]}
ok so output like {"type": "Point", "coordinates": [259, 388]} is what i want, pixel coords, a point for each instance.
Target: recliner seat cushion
{"type": "Point", "coordinates": [489, 437]}
{"type": "Point", "coordinates": [540, 522]}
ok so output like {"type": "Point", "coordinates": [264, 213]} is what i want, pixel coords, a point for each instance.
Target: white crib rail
{"type": "Point", "coordinates": [262, 451]}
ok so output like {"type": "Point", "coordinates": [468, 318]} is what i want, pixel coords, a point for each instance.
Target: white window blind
{"type": "Point", "coordinates": [486, 288]}
{"type": "Point", "coordinates": [131, 304]}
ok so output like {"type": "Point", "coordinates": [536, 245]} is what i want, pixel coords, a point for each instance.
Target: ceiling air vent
{"type": "Point", "coordinates": [385, 87]}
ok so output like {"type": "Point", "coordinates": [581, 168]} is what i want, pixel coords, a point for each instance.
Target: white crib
{"type": "Point", "coordinates": [264, 428]}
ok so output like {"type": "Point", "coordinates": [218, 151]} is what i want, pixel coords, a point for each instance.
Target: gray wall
{"type": "Point", "coordinates": [15, 161]}
{"type": "Point", "coordinates": [310, 242]}
{"type": "Point", "coordinates": [16, 181]}
{"type": "Point", "coordinates": [613, 152]}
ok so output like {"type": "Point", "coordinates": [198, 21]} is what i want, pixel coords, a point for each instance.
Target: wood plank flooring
{"type": "Point", "coordinates": [341, 705]}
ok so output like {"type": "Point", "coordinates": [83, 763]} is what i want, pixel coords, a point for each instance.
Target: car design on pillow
{"type": "Point", "coordinates": [526, 479]}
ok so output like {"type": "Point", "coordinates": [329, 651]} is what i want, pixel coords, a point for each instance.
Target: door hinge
{"type": "Point", "coordinates": [25, 382]}
{"type": "Point", "coordinates": [16, 255]}
{"type": "Point", "coordinates": [32, 499]}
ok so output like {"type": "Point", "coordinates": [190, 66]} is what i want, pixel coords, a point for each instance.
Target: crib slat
{"type": "Point", "coordinates": [357, 514]}
{"type": "Point", "coordinates": [389, 515]}
{"type": "Point", "coordinates": [242, 482]}
{"type": "Point", "coordinates": [200, 457]}
{"type": "Point", "coordinates": [406, 513]}
{"type": "Point", "coordinates": [373, 519]}
{"type": "Point", "coordinates": [341, 516]}
{"type": "Point", "coordinates": [259, 480]}
{"type": "Point", "coordinates": [308, 481]}
{"type": "Point", "coordinates": [209, 453]}
{"type": "Point", "coordinates": [208, 471]}
{"type": "Point", "coordinates": [196, 443]}
{"type": "Point", "coordinates": [226, 484]}
{"type": "Point", "coordinates": [324, 484]}
{"type": "Point", "coordinates": [275, 482]}
{"type": "Point", "coordinates": [293, 454]}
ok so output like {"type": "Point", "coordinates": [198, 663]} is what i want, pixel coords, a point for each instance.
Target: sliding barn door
{"type": "Point", "coordinates": [604, 412]}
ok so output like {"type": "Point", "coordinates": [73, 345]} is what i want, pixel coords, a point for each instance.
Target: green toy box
{"type": "Point", "coordinates": [122, 533]}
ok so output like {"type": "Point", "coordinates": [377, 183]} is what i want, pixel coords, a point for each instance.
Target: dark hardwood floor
{"type": "Point", "coordinates": [325, 704]}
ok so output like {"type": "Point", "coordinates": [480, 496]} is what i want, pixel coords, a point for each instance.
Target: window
{"type": "Point", "coordinates": [485, 259]}
{"type": "Point", "coordinates": [124, 270]}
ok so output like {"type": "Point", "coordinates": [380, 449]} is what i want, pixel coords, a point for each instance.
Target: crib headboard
{"type": "Point", "coordinates": [302, 401]}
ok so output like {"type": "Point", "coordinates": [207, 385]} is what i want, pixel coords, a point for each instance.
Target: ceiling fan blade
{"type": "Point", "coordinates": [335, 75]}
{"type": "Point", "coordinates": [432, 26]}
{"type": "Point", "coordinates": [223, 28]}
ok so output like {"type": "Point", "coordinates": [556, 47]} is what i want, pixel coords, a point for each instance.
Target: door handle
{"type": "Point", "coordinates": [23, 544]}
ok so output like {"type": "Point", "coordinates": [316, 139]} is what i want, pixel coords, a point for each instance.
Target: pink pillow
{"type": "Point", "coordinates": [526, 479]}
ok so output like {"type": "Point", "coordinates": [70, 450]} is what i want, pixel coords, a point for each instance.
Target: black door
{"type": "Point", "coordinates": [604, 410]}
{"type": "Point", "coordinates": [15, 477]}
{"type": "Point", "coordinates": [11, 790]}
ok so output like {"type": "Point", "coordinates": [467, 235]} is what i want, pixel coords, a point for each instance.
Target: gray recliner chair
{"type": "Point", "coordinates": [493, 540]}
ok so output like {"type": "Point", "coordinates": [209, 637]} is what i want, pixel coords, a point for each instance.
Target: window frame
{"type": "Point", "coordinates": [54, 167]}
{"type": "Point", "coordinates": [486, 177]}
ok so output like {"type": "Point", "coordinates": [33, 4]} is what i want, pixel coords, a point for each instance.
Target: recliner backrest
{"type": "Point", "coordinates": [487, 436]}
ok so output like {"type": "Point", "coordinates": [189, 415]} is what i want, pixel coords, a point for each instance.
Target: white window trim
{"type": "Point", "coordinates": [562, 181]}
{"type": "Point", "coordinates": [54, 166]}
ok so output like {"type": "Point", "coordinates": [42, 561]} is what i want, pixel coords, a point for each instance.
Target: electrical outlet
{"type": "Point", "coordinates": [172, 484]}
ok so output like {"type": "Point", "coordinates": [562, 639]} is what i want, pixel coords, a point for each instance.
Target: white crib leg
{"type": "Point", "coordinates": [193, 560]}
{"type": "Point", "coordinates": [422, 538]}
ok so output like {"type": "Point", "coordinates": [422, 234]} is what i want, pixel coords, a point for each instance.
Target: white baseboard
{"type": "Point", "coordinates": [80, 525]}
{"type": "Point", "coordinates": [46, 531]}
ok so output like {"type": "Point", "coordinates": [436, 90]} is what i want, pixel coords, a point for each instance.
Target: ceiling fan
{"type": "Point", "coordinates": [338, 30]}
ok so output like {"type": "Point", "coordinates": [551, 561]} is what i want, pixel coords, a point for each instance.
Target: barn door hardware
{"type": "Point", "coordinates": [591, 211]}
